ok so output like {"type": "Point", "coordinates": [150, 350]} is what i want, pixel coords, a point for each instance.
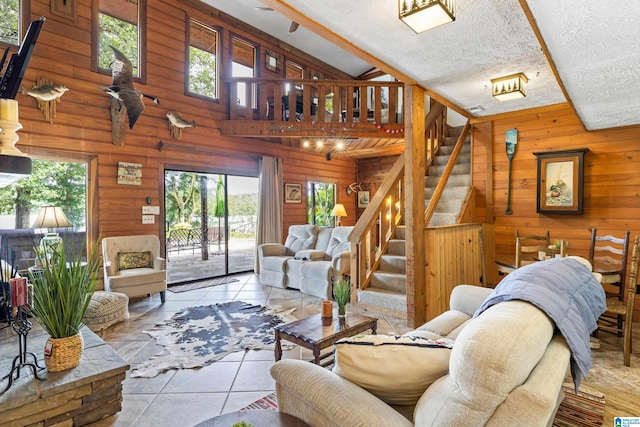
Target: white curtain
{"type": "Point", "coordinates": [270, 186]}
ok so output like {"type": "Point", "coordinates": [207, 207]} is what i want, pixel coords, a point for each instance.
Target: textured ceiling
{"type": "Point", "coordinates": [594, 46]}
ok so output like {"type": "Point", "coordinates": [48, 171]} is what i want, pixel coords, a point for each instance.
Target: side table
{"type": "Point", "coordinates": [311, 334]}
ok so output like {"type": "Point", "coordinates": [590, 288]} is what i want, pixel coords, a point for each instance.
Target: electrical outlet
{"type": "Point", "coordinates": [148, 219]}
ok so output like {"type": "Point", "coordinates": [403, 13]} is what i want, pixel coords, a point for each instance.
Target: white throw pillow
{"type": "Point", "coordinates": [396, 369]}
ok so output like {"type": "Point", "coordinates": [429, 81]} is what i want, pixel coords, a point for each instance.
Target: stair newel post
{"type": "Point", "coordinates": [511, 143]}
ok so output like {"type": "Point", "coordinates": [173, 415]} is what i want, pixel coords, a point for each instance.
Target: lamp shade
{"type": "Point", "coordinates": [423, 15]}
{"type": "Point", "coordinates": [338, 210]}
{"type": "Point", "coordinates": [51, 217]}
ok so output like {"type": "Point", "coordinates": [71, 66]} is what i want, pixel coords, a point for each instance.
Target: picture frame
{"type": "Point", "coordinates": [271, 61]}
{"type": "Point", "coordinates": [560, 186]}
{"type": "Point", "coordinates": [129, 173]}
{"type": "Point", "coordinates": [293, 193]}
{"type": "Point", "coordinates": [363, 199]}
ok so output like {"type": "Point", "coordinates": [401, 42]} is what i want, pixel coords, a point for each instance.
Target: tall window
{"type": "Point", "coordinates": [10, 22]}
{"type": "Point", "coordinates": [292, 71]}
{"type": "Point", "coordinates": [120, 24]}
{"type": "Point", "coordinates": [243, 64]}
{"type": "Point", "coordinates": [321, 197]}
{"type": "Point", "coordinates": [203, 64]}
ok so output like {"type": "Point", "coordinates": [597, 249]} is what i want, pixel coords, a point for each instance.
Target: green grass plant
{"type": "Point", "coordinates": [62, 289]}
{"type": "Point", "coordinates": [342, 292]}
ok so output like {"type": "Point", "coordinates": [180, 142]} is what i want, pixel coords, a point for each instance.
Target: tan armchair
{"type": "Point", "coordinates": [132, 265]}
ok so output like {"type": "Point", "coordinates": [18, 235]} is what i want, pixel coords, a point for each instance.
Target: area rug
{"type": "Point", "coordinates": [585, 409]}
{"type": "Point", "coordinates": [199, 336]}
{"type": "Point", "coordinates": [201, 284]}
{"type": "Point", "coordinates": [582, 410]}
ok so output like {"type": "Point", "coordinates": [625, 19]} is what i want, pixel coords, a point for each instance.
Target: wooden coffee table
{"type": "Point", "coordinates": [256, 417]}
{"type": "Point", "coordinates": [310, 333]}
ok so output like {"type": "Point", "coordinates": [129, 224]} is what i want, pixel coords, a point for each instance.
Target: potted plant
{"type": "Point", "coordinates": [62, 289]}
{"type": "Point", "coordinates": [342, 294]}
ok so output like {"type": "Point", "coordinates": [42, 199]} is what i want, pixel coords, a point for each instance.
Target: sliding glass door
{"type": "Point", "coordinates": [210, 224]}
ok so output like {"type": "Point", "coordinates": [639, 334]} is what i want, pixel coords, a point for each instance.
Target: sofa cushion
{"type": "Point", "coordinates": [128, 260]}
{"type": "Point", "coordinates": [300, 237]}
{"type": "Point", "coordinates": [339, 241]}
{"type": "Point", "coordinates": [396, 369]}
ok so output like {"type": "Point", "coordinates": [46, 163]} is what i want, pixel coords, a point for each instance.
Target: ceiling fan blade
{"type": "Point", "coordinates": [293, 27]}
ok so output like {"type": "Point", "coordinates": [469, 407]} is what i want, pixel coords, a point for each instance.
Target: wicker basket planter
{"type": "Point", "coordinates": [61, 354]}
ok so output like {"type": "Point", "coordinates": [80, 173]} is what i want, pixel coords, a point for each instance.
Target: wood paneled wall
{"type": "Point", "coordinates": [611, 178]}
{"type": "Point", "coordinates": [82, 127]}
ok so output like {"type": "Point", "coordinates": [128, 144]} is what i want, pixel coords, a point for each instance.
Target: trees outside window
{"type": "Point", "coordinates": [203, 70]}
{"type": "Point", "coordinates": [120, 24]}
{"type": "Point", "coordinates": [10, 22]}
{"type": "Point", "coordinates": [321, 199]}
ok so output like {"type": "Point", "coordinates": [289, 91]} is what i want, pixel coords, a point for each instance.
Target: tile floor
{"type": "Point", "coordinates": [188, 396]}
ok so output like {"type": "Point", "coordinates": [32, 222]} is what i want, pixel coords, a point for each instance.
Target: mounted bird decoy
{"type": "Point", "coordinates": [124, 92]}
{"type": "Point", "coordinates": [177, 123]}
{"type": "Point", "coordinates": [47, 94]}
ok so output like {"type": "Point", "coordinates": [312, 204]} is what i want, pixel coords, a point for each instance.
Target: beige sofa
{"type": "Point", "coordinates": [506, 368]}
{"type": "Point", "coordinates": [310, 259]}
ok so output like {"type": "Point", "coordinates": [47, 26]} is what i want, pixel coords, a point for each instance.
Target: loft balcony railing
{"type": "Point", "coordinates": [310, 100]}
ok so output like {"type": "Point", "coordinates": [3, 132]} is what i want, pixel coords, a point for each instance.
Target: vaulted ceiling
{"type": "Point", "coordinates": [586, 54]}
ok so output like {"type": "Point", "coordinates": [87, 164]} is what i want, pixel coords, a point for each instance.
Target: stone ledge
{"type": "Point", "coordinates": [78, 396]}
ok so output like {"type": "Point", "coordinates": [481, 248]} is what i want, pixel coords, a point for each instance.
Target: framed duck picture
{"type": "Point", "coordinates": [560, 181]}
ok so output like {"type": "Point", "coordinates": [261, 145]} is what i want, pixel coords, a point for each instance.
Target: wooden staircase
{"type": "Point", "coordinates": [387, 292]}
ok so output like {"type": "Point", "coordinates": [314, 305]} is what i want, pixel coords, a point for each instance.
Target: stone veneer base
{"type": "Point", "coordinates": [76, 397]}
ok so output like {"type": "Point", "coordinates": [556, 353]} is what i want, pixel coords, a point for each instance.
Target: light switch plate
{"type": "Point", "coordinates": [148, 219]}
{"type": "Point", "coordinates": [151, 210]}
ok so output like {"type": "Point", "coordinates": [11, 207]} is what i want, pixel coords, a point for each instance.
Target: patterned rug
{"type": "Point", "coordinates": [201, 284]}
{"type": "Point", "coordinates": [581, 410]}
{"type": "Point", "coordinates": [198, 336]}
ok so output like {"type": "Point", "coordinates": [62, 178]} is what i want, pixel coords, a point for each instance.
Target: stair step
{"type": "Point", "coordinates": [463, 158]}
{"type": "Point", "coordinates": [439, 219]}
{"type": "Point", "coordinates": [400, 232]}
{"type": "Point", "coordinates": [395, 282]}
{"type": "Point", "coordinates": [447, 148]}
{"type": "Point", "coordinates": [454, 181]}
{"type": "Point", "coordinates": [396, 247]}
{"type": "Point", "coordinates": [447, 205]}
{"type": "Point", "coordinates": [393, 264]}
{"type": "Point", "coordinates": [458, 169]}
{"type": "Point", "coordinates": [449, 192]}
{"type": "Point", "coordinates": [383, 298]}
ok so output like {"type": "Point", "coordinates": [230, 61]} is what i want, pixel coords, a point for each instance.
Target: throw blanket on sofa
{"type": "Point", "coordinates": [568, 293]}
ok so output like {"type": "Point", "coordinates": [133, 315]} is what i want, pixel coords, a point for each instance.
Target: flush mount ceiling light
{"type": "Point", "coordinates": [509, 87]}
{"type": "Point", "coordinates": [423, 15]}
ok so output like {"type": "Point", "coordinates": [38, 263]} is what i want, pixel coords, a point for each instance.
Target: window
{"type": "Point", "coordinates": [321, 199]}
{"type": "Point", "coordinates": [119, 24]}
{"type": "Point", "coordinates": [293, 71]}
{"type": "Point", "coordinates": [203, 52]}
{"type": "Point", "coordinates": [243, 64]}
{"type": "Point", "coordinates": [52, 183]}
{"type": "Point", "coordinates": [10, 22]}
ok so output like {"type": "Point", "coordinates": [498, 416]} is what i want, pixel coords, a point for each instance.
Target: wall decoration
{"type": "Point", "coordinates": [512, 142]}
{"type": "Point", "coordinates": [293, 193]}
{"type": "Point", "coordinates": [177, 123]}
{"type": "Point", "coordinates": [271, 61]}
{"type": "Point", "coordinates": [129, 173]}
{"type": "Point", "coordinates": [560, 181]}
{"type": "Point", "coordinates": [47, 94]}
{"type": "Point", "coordinates": [363, 199]}
{"type": "Point", "coordinates": [65, 8]}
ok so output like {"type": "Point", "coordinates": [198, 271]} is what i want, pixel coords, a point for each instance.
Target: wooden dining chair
{"type": "Point", "coordinates": [608, 256]}
{"type": "Point", "coordinates": [530, 248]}
{"type": "Point", "coordinates": [624, 309]}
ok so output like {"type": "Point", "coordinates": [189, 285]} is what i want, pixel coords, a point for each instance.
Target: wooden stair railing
{"type": "Point", "coordinates": [385, 211]}
{"type": "Point", "coordinates": [376, 226]}
{"type": "Point", "coordinates": [315, 100]}
{"type": "Point", "coordinates": [442, 182]}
